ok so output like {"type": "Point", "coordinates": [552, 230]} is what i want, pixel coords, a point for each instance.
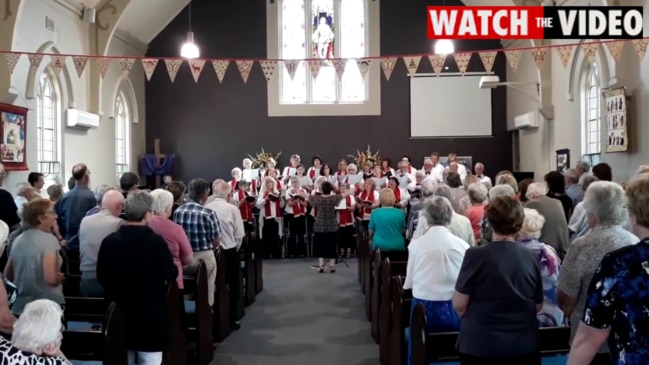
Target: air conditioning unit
{"type": "Point", "coordinates": [79, 119]}
{"type": "Point", "coordinates": [527, 120]}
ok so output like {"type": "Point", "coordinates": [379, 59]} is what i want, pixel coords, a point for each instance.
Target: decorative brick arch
{"type": "Point", "coordinates": [64, 84]}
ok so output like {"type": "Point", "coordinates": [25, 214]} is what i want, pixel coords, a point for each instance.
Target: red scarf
{"type": "Point", "coordinates": [298, 208]}
{"type": "Point", "coordinates": [409, 169]}
{"type": "Point", "coordinates": [267, 211]}
{"type": "Point", "coordinates": [367, 196]}
{"type": "Point", "coordinates": [267, 170]}
{"type": "Point", "coordinates": [341, 173]}
{"type": "Point", "coordinates": [345, 217]}
{"type": "Point", "coordinates": [278, 185]}
{"type": "Point", "coordinates": [246, 209]}
{"type": "Point", "coordinates": [312, 173]}
{"type": "Point", "coordinates": [233, 183]}
{"type": "Point", "coordinates": [397, 195]}
{"type": "Point", "coordinates": [253, 187]}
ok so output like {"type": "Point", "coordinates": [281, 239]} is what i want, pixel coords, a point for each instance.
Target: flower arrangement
{"type": "Point", "coordinates": [366, 156]}
{"type": "Point", "coordinates": [259, 161]}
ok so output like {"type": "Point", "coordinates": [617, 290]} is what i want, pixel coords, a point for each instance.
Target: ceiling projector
{"type": "Point", "coordinates": [489, 82]}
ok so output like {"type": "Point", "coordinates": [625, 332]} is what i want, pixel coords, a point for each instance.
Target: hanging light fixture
{"type": "Point", "coordinates": [190, 49]}
{"type": "Point", "coordinates": [444, 47]}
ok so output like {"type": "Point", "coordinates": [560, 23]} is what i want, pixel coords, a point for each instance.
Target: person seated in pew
{"type": "Point", "coordinates": [92, 231]}
{"type": "Point", "coordinates": [387, 224]}
{"type": "Point", "coordinates": [36, 336]}
{"type": "Point", "coordinates": [173, 234]}
{"type": "Point", "coordinates": [498, 293]}
{"type": "Point", "coordinates": [134, 266]}
{"type": "Point", "coordinates": [35, 260]}
{"type": "Point", "coordinates": [528, 237]}
{"type": "Point", "coordinates": [434, 262]}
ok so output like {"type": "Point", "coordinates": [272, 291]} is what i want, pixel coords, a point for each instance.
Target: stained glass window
{"type": "Point", "coordinates": [591, 124]}
{"type": "Point", "coordinates": [47, 124]}
{"type": "Point", "coordinates": [122, 128]}
{"type": "Point", "coordinates": [323, 30]}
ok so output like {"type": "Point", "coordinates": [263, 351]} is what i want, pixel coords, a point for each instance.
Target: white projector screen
{"type": "Point", "coordinates": [449, 106]}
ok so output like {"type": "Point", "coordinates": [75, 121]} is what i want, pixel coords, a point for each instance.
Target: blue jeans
{"type": "Point", "coordinates": [440, 317]}
{"type": "Point", "coordinates": [91, 288]}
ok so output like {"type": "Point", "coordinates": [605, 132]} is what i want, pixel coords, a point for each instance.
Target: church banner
{"type": "Point", "coordinates": [617, 136]}
{"type": "Point", "coordinates": [13, 146]}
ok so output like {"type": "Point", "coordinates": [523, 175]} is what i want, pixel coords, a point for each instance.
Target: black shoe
{"type": "Point", "coordinates": [235, 326]}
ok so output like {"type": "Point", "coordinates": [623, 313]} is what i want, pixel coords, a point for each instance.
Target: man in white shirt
{"type": "Point", "coordinates": [433, 169]}
{"type": "Point", "coordinates": [24, 194]}
{"type": "Point", "coordinates": [479, 173]}
{"type": "Point", "coordinates": [461, 169]}
{"type": "Point", "coordinates": [460, 225]}
{"type": "Point", "coordinates": [36, 180]}
{"type": "Point", "coordinates": [232, 234]}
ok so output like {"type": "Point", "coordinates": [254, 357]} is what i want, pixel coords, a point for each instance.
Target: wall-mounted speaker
{"type": "Point", "coordinates": [89, 15]}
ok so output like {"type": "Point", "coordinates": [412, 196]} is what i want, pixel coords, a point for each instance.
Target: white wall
{"type": "Point", "coordinates": [537, 146]}
{"type": "Point", "coordinates": [95, 147]}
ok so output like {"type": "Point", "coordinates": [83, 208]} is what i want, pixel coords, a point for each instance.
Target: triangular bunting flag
{"type": "Point", "coordinates": [35, 60]}
{"type": "Point", "coordinates": [268, 67]}
{"type": "Point", "coordinates": [58, 63]}
{"type": "Point", "coordinates": [80, 64]}
{"type": "Point", "coordinates": [363, 66]}
{"type": "Point", "coordinates": [615, 49]}
{"type": "Point", "coordinates": [513, 58]}
{"type": "Point", "coordinates": [220, 67]}
{"type": "Point", "coordinates": [196, 67]}
{"type": "Point", "coordinates": [437, 62]}
{"type": "Point", "coordinates": [640, 46]}
{"type": "Point", "coordinates": [339, 66]}
{"type": "Point", "coordinates": [412, 64]}
{"type": "Point", "coordinates": [102, 65]}
{"type": "Point", "coordinates": [564, 53]}
{"type": "Point", "coordinates": [314, 66]}
{"type": "Point", "coordinates": [387, 65]}
{"type": "Point", "coordinates": [462, 60]}
{"type": "Point", "coordinates": [590, 51]}
{"type": "Point", "coordinates": [12, 60]}
{"type": "Point", "coordinates": [172, 68]}
{"type": "Point", "coordinates": [149, 65]}
{"type": "Point", "coordinates": [244, 67]}
{"type": "Point", "coordinates": [126, 65]}
{"type": "Point", "coordinates": [539, 56]}
{"type": "Point", "coordinates": [488, 59]}
{"type": "Point", "coordinates": [291, 67]}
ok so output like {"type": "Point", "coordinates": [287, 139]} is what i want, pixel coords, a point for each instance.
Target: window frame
{"type": "Point", "coordinates": [51, 169]}
{"type": "Point", "coordinates": [124, 119]}
{"type": "Point", "coordinates": [372, 104]}
{"type": "Point", "coordinates": [591, 90]}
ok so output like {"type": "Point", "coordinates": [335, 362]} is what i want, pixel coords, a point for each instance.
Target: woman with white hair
{"type": "Point", "coordinates": [434, 262]}
{"type": "Point", "coordinates": [36, 336]}
{"type": "Point", "coordinates": [550, 315]}
{"type": "Point", "coordinates": [236, 177]}
{"type": "Point", "coordinates": [605, 206]}
{"type": "Point", "coordinates": [578, 224]}
{"type": "Point", "coordinates": [173, 233]}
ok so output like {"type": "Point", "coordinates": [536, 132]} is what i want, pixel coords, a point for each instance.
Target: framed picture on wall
{"type": "Point", "coordinates": [617, 133]}
{"type": "Point", "coordinates": [563, 160]}
{"type": "Point", "coordinates": [13, 129]}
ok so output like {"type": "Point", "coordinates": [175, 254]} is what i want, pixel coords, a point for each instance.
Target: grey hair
{"type": "Point", "coordinates": [535, 190]}
{"type": "Point", "coordinates": [587, 180]}
{"type": "Point", "coordinates": [163, 200]}
{"type": "Point", "coordinates": [295, 179]}
{"type": "Point", "coordinates": [444, 191]}
{"type": "Point", "coordinates": [198, 188]}
{"type": "Point", "coordinates": [583, 165]}
{"type": "Point", "coordinates": [100, 191]}
{"type": "Point", "coordinates": [477, 192]}
{"type": "Point", "coordinates": [38, 327]}
{"type": "Point", "coordinates": [55, 191]}
{"type": "Point", "coordinates": [137, 205]}
{"type": "Point", "coordinates": [428, 188]}
{"type": "Point", "coordinates": [532, 224]}
{"type": "Point", "coordinates": [571, 175]}
{"type": "Point", "coordinates": [438, 211]}
{"type": "Point", "coordinates": [606, 201]}
{"type": "Point", "coordinates": [22, 188]}
{"type": "Point", "coordinates": [501, 190]}
{"type": "Point", "coordinates": [352, 167]}
{"type": "Point", "coordinates": [420, 173]}
{"type": "Point", "coordinates": [222, 190]}
{"type": "Point", "coordinates": [236, 171]}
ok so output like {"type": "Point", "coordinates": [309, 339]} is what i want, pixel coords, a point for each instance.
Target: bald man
{"type": "Point", "coordinates": [94, 228]}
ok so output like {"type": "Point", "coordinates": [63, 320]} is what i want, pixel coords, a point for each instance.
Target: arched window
{"type": "Point", "coordinates": [122, 135]}
{"type": "Point", "coordinates": [47, 128]}
{"type": "Point", "coordinates": [591, 120]}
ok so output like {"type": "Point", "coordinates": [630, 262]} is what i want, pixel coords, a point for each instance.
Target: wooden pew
{"type": "Point", "coordinates": [198, 316]}
{"type": "Point", "coordinates": [429, 348]}
{"type": "Point", "coordinates": [364, 256]}
{"type": "Point", "coordinates": [388, 271]}
{"type": "Point", "coordinates": [177, 353]}
{"type": "Point", "coordinates": [401, 305]}
{"type": "Point", "coordinates": [71, 285]}
{"type": "Point", "coordinates": [258, 258]}
{"type": "Point", "coordinates": [248, 270]}
{"type": "Point", "coordinates": [375, 293]}
{"type": "Point", "coordinates": [107, 346]}
{"type": "Point", "coordinates": [221, 315]}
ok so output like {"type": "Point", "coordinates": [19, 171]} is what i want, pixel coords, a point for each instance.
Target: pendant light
{"type": "Point", "coordinates": [190, 50]}
{"type": "Point", "coordinates": [444, 46]}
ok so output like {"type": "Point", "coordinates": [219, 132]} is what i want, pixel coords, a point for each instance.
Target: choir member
{"type": "Point", "coordinates": [245, 201]}
{"type": "Point", "coordinates": [386, 167]}
{"type": "Point", "coordinates": [271, 165]}
{"type": "Point", "coordinates": [316, 166]}
{"type": "Point", "coordinates": [236, 177]}
{"type": "Point", "coordinates": [296, 203]}
{"type": "Point", "coordinates": [401, 195]}
{"type": "Point", "coordinates": [368, 173]}
{"type": "Point", "coordinates": [341, 174]}
{"type": "Point", "coordinates": [380, 179]}
{"type": "Point", "coordinates": [366, 202]}
{"type": "Point", "coordinates": [291, 169]}
{"type": "Point", "coordinates": [305, 181]}
{"type": "Point", "coordinates": [406, 159]}
{"type": "Point", "coordinates": [346, 210]}
{"type": "Point", "coordinates": [269, 203]}
{"type": "Point", "coordinates": [248, 173]}
{"type": "Point", "coordinates": [406, 179]}
{"type": "Point", "coordinates": [326, 172]}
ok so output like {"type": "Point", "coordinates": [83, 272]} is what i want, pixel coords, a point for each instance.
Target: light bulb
{"type": "Point", "coordinates": [190, 49]}
{"type": "Point", "coordinates": [444, 47]}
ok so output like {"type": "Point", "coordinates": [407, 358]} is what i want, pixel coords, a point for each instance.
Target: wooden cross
{"type": "Point", "coordinates": [159, 156]}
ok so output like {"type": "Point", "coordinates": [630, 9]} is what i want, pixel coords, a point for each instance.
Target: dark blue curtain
{"type": "Point", "coordinates": [149, 165]}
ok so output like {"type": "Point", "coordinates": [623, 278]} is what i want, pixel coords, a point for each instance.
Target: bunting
{"type": "Point", "coordinates": [437, 62]}
{"type": "Point", "coordinates": [488, 59]}
{"type": "Point", "coordinates": [126, 65]}
{"type": "Point", "coordinates": [364, 66]}
{"type": "Point", "coordinates": [149, 65]}
{"type": "Point", "coordinates": [564, 53]}
{"type": "Point", "coordinates": [539, 56]}
{"type": "Point", "coordinates": [244, 66]}
{"type": "Point", "coordinates": [615, 49]}
{"type": "Point", "coordinates": [102, 65]}
{"type": "Point", "coordinates": [268, 67]}
{"type": "Point", "coordinates": [35, 60]}
{"type": "Point", "coordinates": [172, 68]}
{"type": "Point", "coordinates": [291, 67]}
{"type": "Point", "coordinates": [12, 60]}
{"type": "Point", "coordinates": [314, 67]}
{"type": "Point", "coordinates": [80, 63]}
{"type": "Point", "coordinates": [387, 65]}
{"type": "Point", "coordinates": [339, 66]}
{"type": "Point", "coordinates": [196, 67]}
{"type": "Point", "coordinates": [412, 64]}
{"type": "Point", "coordinates": [513, 58]}
{"type": "Point", "coordinates": [58, 64]}
{"type": "Point", "coordinates": [462, 61]}
{"type": "Point", "coordinates": [590, 51]}
{"type": "Point", "coordinates": [220, 67]}
{"type": "Point", "coordinates": [640, 46]}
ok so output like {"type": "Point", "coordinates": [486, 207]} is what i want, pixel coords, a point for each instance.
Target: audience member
{"type": "Point", "coordinates": [556, 184]}
{"type": "Point", "coordinates": [387, 225]}
{"type": "Point", "coordinates": [75, 204]}
{"type": "Point", "coordinates": [555, 229]}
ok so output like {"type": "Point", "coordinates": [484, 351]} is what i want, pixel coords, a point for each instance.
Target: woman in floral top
{"type": "Point", "coordinates": [550, 315]}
